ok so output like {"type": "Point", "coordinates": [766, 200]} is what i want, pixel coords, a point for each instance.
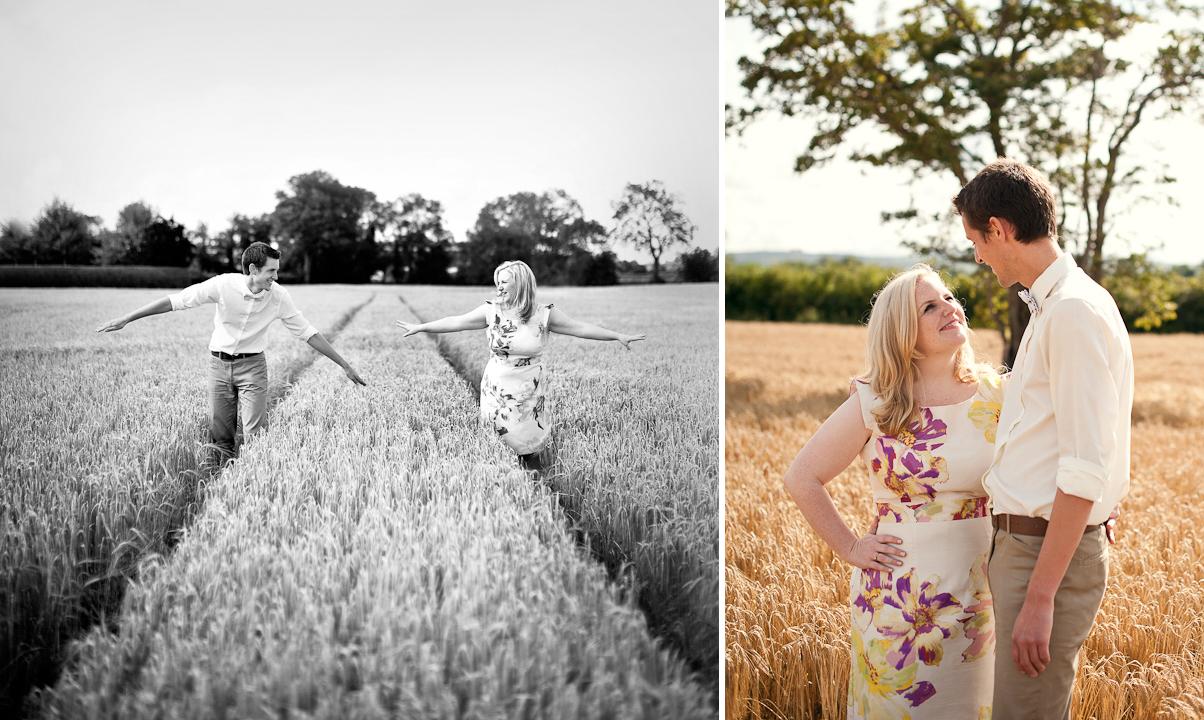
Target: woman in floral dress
{"type": "Point", "coordinates": [515, 381]}
{"type": "Point", "coordinates": [923, 419]}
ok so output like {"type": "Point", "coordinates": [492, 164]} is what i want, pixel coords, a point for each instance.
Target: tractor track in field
{"type": "Point", "coordinates": [42, 665]}
{"type": "Point", "coordinates": [593, 546]}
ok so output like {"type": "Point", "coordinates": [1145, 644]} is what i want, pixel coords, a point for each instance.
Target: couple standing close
{"type": "Point", "coordinates": [993, 493]}
{"type": "Point", "coordinates": [513, 386]}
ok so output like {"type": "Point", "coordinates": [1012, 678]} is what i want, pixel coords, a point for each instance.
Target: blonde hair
{"type": "Point", "coordinates": [521, 296]}
{"type": "Point", "coordinates": [891, 352]}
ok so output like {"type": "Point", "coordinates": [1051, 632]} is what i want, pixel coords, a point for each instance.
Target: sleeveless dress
{"type": "Point", "coordinates": [514, 382]}
{"type": "Point", "coordinates": [923, 636]}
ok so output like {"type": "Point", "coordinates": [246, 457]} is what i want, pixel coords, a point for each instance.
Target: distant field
{"type": "Point", "coordinates": [787, 617]}
{"type": "Point", "coordinates": [373, 553]}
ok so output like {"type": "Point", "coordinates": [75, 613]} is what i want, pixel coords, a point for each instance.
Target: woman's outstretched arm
{"type": "Point", "coordinates": [558, 322]}
{"type": "Point", "coordinates": [472, 320]}
{"type": "Point", "coordinates": [826, 454]}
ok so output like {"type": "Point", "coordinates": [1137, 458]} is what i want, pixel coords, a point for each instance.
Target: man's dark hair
{"type": "Point", "coordinates": [1011, 191]}
{"type": "Point", "coordinates": [257, 253]}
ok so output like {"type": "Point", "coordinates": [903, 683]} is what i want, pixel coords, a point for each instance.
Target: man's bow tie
{"type": "Point", "coordinates": [1029, 300]}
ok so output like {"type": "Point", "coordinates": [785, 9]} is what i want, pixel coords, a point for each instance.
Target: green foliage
{"type": "Point", "coordinates": [1149, 298]}
{"type": "Point", "coordinates": [834, 291]}
{"type": "Point", "coordinates": [1144, 294]}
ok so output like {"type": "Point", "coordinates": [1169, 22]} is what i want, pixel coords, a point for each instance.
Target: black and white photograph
{"type": "Point", "coordinates": [360, 360]}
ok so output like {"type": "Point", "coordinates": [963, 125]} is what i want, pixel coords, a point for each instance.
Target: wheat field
{"type": "Point", "coordinates": [101, 449]}
{"type": "Point", "coordinates": [787, 621]}
{"type": "Point", "coordinates": [372, 554]}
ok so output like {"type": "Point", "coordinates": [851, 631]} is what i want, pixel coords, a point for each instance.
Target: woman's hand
{"type": "Point", "coordinates": [410, 328]}
{"type": "Point", "coordinates": [876, 552]}
{"type": "Point", "coordinates": [626, 340]}
{"type": "Point", "coordinates": [112, 325]}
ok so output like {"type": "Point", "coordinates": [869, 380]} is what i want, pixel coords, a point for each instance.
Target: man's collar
{"type": "Point", "coordinates": [246, 288]}
{"type": "Point", "coordinates": [1051, 276]}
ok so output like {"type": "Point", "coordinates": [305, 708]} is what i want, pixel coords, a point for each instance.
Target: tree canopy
{"type": "Point", "coordinates": [648, 216]}
{"type": "Point", "coordinates": [953, 84]}
{"type": "Point", "coordinates": [548, 231]}
{"type": "Point", "coordinates": [324, 229]}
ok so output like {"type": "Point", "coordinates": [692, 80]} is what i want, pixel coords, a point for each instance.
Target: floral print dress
{"type": "Point", "coordinates": [514, 383]}
{"type": "Point", "coordinates": [923, 636]}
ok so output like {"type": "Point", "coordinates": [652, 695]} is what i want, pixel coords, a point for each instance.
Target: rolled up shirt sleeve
{"type": "Point", "coordinates": [198, 294]}
{"type": "Point", "coordinates": [1086, 400]}
{"type": "Point", "coordinates": [293, 319]}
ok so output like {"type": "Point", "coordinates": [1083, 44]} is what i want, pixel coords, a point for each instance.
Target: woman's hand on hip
{"type": "Point", "coordinates": [876, 552]}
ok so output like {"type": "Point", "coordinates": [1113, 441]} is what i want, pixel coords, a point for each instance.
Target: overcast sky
{"type": "Point", "coordinates": [204, 110]}
{"type": "Point", "coordinates": [835, 209]}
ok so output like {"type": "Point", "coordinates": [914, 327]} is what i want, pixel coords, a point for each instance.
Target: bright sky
{"type": "Point", "coordinates": [207, 109]}
{"type": "Point", "coordinates": [835, 208]}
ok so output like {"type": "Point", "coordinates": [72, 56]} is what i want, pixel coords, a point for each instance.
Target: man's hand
{"type": "Point", "coordinates": [354, 376]}
{"type": "Point", "coordinates": [626, 340]}
{"type": "Point", "coordinates": [1030, 637]}
{"type": "Point", "coordinates": [112, 325]}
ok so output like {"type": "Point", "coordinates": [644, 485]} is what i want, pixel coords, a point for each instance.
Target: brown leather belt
{"type": "Point", "coordinates": [232, 356]}
{"type": "Point", "coordinates": [1022, 525]}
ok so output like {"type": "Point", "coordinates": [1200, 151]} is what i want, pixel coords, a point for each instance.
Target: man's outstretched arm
{"type": "Point", "coordinates": [319, 343]}
{"type": "Point", "coordinates": [157, 307]}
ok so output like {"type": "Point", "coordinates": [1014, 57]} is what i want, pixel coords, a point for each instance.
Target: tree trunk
{"type": "Point", "coordinates": [656, 267]}
{"type": "Point", "coordinates": [306, 267]}
{"type": "Point", "coordinates": [1018, 316]}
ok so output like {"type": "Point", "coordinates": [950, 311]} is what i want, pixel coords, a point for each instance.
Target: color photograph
{"type": "Point", "coordinates": [962, 302]}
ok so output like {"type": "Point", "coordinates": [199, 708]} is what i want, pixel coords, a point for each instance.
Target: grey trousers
{"type": "Point", "coordinates": [1013, 557]}
{"type": "Point", "coordinates": [238, 391]}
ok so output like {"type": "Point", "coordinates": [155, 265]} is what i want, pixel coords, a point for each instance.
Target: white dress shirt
{"type": "Point", "coordinates": [1067, 406]}
{"type": "Point", "coordinates": [241, 321]}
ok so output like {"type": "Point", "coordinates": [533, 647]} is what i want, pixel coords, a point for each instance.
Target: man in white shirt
{"type": "Point", "coordinates": [238, 371]}
{"type": "Point", "coordinates": [1061, 460]}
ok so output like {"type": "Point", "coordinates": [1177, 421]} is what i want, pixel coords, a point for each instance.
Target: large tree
{"type": "Point", "coordinates": [62, 234]}
{"type": "Point", "coordinates": [954, 84]}
{"type": "Point", "coordinates": [165, 242]}
{"type": "Point", "coordinates": [324, 228]}
{"type": "Point", "coordinates": [648, 216]}
{"type": "Point", "coordinates": [16, 243]}
{"type": "Point", "coordinates": [548, 231]}
{"type": "Point", "coordinates": [415, 245]}
{"type": "Point", "coordinates": [121, 245]}
{"type": "Point", "coordinates": [222, 252]}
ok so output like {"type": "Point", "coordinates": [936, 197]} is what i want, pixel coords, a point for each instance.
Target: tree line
{"type": "Point", "coordinates": [330, 232]}
{"type": "Point", "coordinates": [1151, 298]}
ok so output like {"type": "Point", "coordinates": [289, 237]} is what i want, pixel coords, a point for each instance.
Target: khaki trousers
{"type": "Point", "coordinates": [238, 394]}
{"type": "Point", "coordinates": [1013, 557]}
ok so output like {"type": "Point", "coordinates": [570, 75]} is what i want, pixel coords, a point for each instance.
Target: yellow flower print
{"type": "Point", "coordinates": [877, 693]}
{"type": "Point", "coordinates": [984, 413]}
